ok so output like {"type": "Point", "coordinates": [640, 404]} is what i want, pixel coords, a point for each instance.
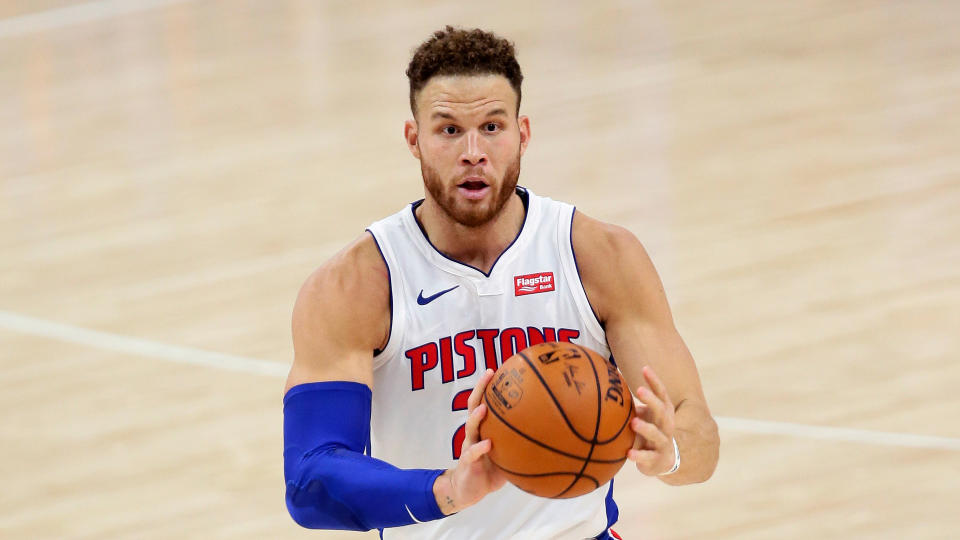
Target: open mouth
{"type": "Point", "coordinates": [473, 188]}
{"type": "Point", "coordinates": [473, 185]}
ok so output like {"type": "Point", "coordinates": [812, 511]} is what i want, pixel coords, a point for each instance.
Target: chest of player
{"type": "Point", "coordinates": [457, 325]}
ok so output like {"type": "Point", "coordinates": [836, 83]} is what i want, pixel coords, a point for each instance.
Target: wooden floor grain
{"type": "Point", "coordinates": [170, 172]}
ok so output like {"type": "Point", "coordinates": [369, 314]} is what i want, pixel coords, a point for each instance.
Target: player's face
{"type": "Point", "coordinates": [469, 140]}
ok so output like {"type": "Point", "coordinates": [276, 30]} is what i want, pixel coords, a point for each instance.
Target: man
{"type": "Point", "coordinates": [397, 335]}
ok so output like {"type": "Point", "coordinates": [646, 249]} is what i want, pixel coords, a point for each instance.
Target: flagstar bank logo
{"type": "Point", "coordinates": [533, 283]}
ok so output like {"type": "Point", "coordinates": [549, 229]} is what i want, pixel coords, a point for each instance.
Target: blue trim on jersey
{"type": "Point", "coordinates": [376, 352]}
{"type": "Point", "coordinates": [524, 196]}
{"type": "Point", "coordinates": [613, 513]}
{"type": "Point", "coordinates": [577, 266]}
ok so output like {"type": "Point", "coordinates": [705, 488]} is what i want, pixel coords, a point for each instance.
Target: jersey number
{"type": "Point", "coordinates": [460, 404]}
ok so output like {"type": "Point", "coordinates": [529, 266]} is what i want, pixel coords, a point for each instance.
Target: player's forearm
{"type": "Point", "coordinates": [331, 483]}
{"type": "Point", "coordinates": [336, 488]}
{"type": "Point", "coordinates": [699, 442]}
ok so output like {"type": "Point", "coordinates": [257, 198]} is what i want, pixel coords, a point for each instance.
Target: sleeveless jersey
{"type": "Point", "coordinates": [449, 322]}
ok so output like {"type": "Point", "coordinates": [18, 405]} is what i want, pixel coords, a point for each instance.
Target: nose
{"type": "Point", "coordinates": [473, 154]}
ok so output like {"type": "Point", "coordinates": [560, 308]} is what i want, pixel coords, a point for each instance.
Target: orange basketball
{"type": "Point", "coordinates": [558, 417]}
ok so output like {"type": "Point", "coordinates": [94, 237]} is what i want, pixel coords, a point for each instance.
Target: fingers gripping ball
{"type": "Point", "coordinates": [558, 417]}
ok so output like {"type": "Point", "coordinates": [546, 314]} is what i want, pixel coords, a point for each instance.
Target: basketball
{"type": "Point", "coordinates": [558, 420]}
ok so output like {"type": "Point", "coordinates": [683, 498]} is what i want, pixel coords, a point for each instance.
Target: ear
{"type": "Point", "coordinates": [411, 136]}
{"type": "Point", "coordinates": [524, 124]}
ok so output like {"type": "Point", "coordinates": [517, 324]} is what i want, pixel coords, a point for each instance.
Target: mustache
{"type": "Point", "coordinates": [476, 175]}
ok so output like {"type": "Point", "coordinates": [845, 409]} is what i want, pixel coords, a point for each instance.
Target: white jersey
{"type": "Point", "coordinates": [450, 321]}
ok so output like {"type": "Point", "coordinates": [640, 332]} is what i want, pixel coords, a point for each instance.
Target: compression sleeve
{"type": "Point", "coordinates": [331, 483]}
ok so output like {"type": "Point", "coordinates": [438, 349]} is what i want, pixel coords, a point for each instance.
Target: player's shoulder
{"type": "Point", "coordinates": [601, 240]}
{"type": "Point", "coordinates": [341, 316]}
{"type": "Point", "coordinates": [612, 262]}
{"type": "Point", "coordinates": [354, 277]}
{"type": "Point", "coordinates": [358, 261]}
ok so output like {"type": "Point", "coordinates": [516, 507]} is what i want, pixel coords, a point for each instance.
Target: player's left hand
{"type": "Point", "coordinates": [654, 425]}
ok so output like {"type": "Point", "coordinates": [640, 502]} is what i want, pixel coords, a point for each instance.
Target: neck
{"type": "Point", "coordinates": [478, 247]}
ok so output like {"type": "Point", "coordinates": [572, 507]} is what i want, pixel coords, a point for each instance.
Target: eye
{"type": "Point", "coordinates": [491, 127]}
{"type": "Point", "coordinates": [450, 130]}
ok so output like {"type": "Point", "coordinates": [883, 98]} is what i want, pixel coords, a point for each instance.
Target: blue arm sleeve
{"type": "Point", "coordinates": [331, 482]}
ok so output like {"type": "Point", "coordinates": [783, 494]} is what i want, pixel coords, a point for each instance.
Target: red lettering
{"type": "Point", "coordinates": [446, 360]}
{"type": "Point", "coordinates": [566, 334]}
{"type": "Point", "coordinates": [466, 352]}
{"type": "Point", "coordinates": [422, 359]}
{"type": "Point", "coordinates": [535, 336]}
{"type": "Point", "coordinates": [511, 341]}
{"type": "Point", "coordinates": [487, 337]}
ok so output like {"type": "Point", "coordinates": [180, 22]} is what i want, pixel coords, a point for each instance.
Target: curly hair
{"type": "Point", "coordinates": [455, 51]}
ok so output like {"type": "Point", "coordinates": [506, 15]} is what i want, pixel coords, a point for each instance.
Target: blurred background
{"type": "Point", "coordinates": [172, 170]}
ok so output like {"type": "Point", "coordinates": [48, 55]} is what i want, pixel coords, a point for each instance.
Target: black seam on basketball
{"type": "Point", "coordinates": [554, 398]}
{"type": "Point", "coordinates": [596, 428]}
{"type": "Point", "coordinates": [577, 479]}
{"type": "Point", "coordinates": [548, 447]}
{"type": "Point", "coordinates": [625, 421]}
{"type": "Point", "coordinates": [538, 475]}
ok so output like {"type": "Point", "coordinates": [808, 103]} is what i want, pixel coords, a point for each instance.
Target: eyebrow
{"type": "Point", "coordinates": [448, 116]}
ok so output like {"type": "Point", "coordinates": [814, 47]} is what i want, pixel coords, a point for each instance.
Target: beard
{"type": "Point", "coordinates": [470, 213]}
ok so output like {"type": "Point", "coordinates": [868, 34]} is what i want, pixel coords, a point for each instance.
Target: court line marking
{"type": "Point", "coordinates": [880, 438]}
{"type": "Point", "coordinates": [51, 19]}
{"type": "Point", "coordinates": [137, 346]}
{"type": "Point", "coordinates": [44, 328]}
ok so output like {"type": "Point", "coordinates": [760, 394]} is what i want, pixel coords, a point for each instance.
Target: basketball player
{"type": "Point", "coordinates": [397, 335]}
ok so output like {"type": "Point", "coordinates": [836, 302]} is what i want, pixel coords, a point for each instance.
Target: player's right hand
{"type": "Point", "coordinates": [475, 475]}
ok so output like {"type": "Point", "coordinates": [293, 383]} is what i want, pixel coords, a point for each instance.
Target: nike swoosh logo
{"type": "Point", "coordinates": [411, 514]}
{"type": "Point", "coordinates": [424, 301]}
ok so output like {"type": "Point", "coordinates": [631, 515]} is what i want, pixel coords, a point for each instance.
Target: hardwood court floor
{"type": "Point", "coordinates": [171, 170]}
